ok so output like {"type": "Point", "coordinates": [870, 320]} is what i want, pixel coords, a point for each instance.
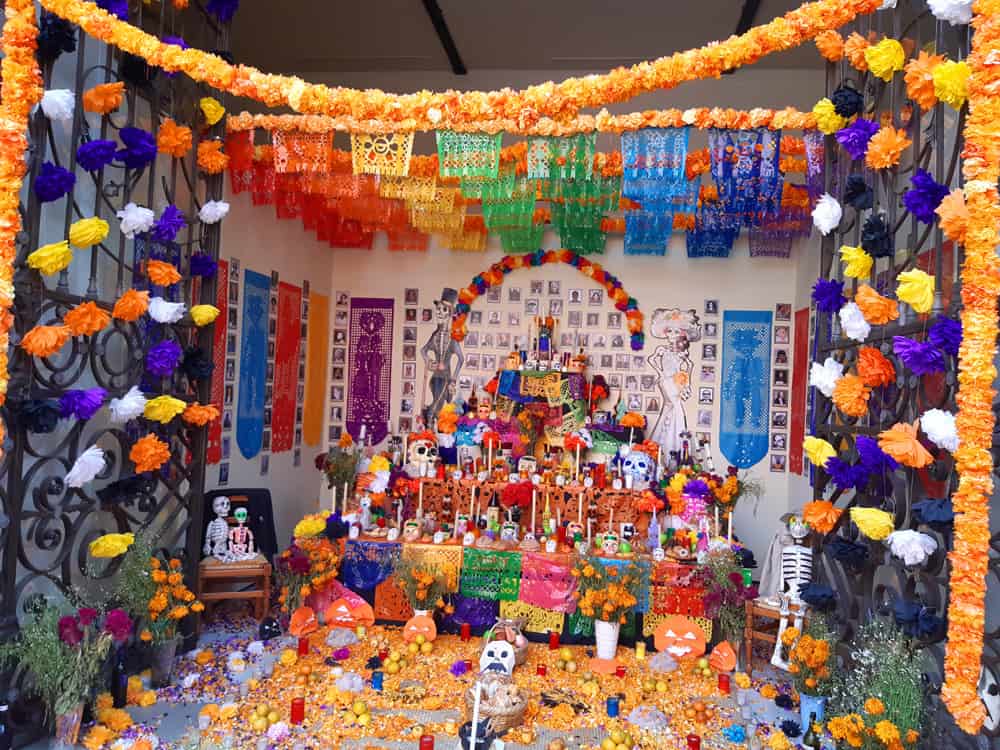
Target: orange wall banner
{"type": "Point", "coordinates": [317, 342]}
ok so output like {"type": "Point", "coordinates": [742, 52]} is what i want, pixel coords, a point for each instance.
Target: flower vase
{"type": "Point", "coordinates": [606, 635]}
{"type": "Point", "coordinates": [162, 663]}
{"type": "Point", "coordinates": [68, 728]}
{"type": "Point", "coordinates": [811, 704]}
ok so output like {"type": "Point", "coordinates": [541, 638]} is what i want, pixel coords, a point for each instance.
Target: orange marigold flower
{"type": "Point", "coordinates": [149, 453]}
{"type": "Point", "coordinates": [878, 310]}
{"type": "Point", "coordinates": [912, 735]}
{"type": "Point", "coordinates": [854, 48]}
{"type": "Point", "coordinates": [885, 147]}
{"type": "Point", "coordinates": [174, 563]}
{"type": "Point", "coordinates": [874, 707]}
{"type": "Point", "coordinates": [830, 45]}
{"type": "Point", "coordinates": [174, 579]}
{"type": "Point", "coordinates": [821, 515]}
{"type": "Point", "coordinates": [211, 158]}
{"type": "Point", "coordinates": [159, 576]}
{"type": "Point", "coordinates": [162, 273]}
{"type": "Point", "coordinates": [131, 306]}
{"type": "Point", "coordinates": [44, 341]}
{"type": "Point", "coordinates": [850, 395]}
{"type": "Point", "coordinates": [173, 139]}
{"type": "Point", "coordinates": [105, 98]}
{"type": "Point", "coordinates": [86, 319]}
{"type": "Point", "coordinates": [919, 79]}
{"type": "Point", "coordinates": [178, 613]}
{"type": "Point", "coordinates": [200, 414]}
{"type": "Point", "coordinates": [954, 216]}
{"type": "Point", "coordinates": [873, 368]}
{"type": "Point", "coordinates": [197, 607]}
{"type": "Point", "coordinates": [901, 442]}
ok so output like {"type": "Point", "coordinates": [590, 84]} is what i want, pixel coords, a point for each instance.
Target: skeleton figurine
{"type": "Point", "coordinates": [217, 533]}
{"type": "Point", "coordinates": [365, 512]}
{"type": "Point", "coordinates": [508, 532]}
{"type": "Point", "coordinates": [240, 538]}
{"type": "Point", "coordinates": [796, 573]}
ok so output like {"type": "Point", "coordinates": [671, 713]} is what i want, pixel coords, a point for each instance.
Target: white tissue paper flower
{"type": "Point", "coordinates": [852, 320]}
{"type": "Point", "coordinates": [255, 648]}
{"type": "Point", "coordinates": [134, 219]}
{"type": "Point", "coordinates": [824, 377]}
{"type": "Point", "coordinates": [165, 312]}
{"type": "Point", "coordinates": [912, 547]}
{"type": "Point", "coordinates": [86, 467]}
{"type": "Point", "coordinates": [380, 483]}
{"type": "Point", "coordinates": [955, 12]}
{"type": "Point", "coordinates": [213, 211]}
{"type": "Point", "coordinates": [129, 406]}
{"type": "Point", "coordinates": [446, 439]}
{"type": "Point", "coordinates": [939, 426]}
{"type": "Point", "coordinates": [586, 437]}
{"type": "Point", "coordinates": [827, 214]}
{"type": "Point", "coordinates": [479, 431]}
{"type": "Point", "coordinates": [57, 104]}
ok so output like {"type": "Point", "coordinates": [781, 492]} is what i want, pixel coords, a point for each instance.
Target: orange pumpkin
{"type": "Point", "coordinates": [422, 624]}
{"type": "Point", "coordinates": [340, 614]}
{"type": "Point", "coordinates": [723, 658]}
{"type": "Point", "coordinates": [681, 637]}
{"type": "Point", "coordinates": [303, 622]}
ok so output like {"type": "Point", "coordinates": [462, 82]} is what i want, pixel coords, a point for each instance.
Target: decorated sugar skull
{"type": "Point", "coordinates": [461, 524]}
{"type": "Point", "coordinates": [798, 528]}
{"type": "Point", "coordinates": [610, 543]}
{"type": "Point", "coordinates": [639, 466]}
{"type": "Point", "coordinates": [658, 554]}
{"type": "Point", "coordinates": [240, 514]}
{"type": "Point", "coordinates": [498, 656]}
{"type": "Point", "coordinates": [422, 449]}
{"type": "Point", "coordinates": [572, 529]}
{"type": "Point", "coordinates": [411, 530]}
{"type": "Point", "coordinates": [527, 466]}
{"type": "Point", "coordinates": [484, 407]}
{"type": "Point", "coordinates": [508, 532]}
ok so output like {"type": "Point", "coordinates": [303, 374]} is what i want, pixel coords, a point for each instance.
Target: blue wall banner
{"type": "Point", "coordinates": [253, 363]}
{"type": "Point", "coordinates": [746, 380]}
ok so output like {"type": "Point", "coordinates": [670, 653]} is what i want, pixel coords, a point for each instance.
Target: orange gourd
{"type": "Point", "coordinates": [303, 622]}
{"type": "Point", "coordinates": [681, 637]}
{"type": "Point", "coordinates": [419, 625]}
{"type": "Point", "coordinates": [723, 658]}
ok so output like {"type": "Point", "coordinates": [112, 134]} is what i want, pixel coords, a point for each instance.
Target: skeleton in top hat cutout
{"type": "Point", "coordinates": [442, 358]}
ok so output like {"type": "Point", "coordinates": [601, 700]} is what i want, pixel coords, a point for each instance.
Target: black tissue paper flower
{"type": "Point", "coordinates": [876, 238]}
{"type": "Point", "coordinates": [784, 701]}
{"type": "Point", "coordinates": [196, 364]}
{"type": "Point", "coordinates": [857, 194]}
{"type": "Point", "coordinates": [916, 620]}
{"type": "Point", "coordinates": [123, 491]}
{"type": "Point", "coordinates": [55, 36]}
{"type": "Point", "coordinates": [821, 597]}
{"type": "Point", "coordinates": [38, 415]}
{"type": "Point", "coordinates": [847, 101]}
{"type": "Point", "coordinates": [791, 729]}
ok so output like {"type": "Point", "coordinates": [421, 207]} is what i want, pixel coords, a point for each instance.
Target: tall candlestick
{"type": "Point", "coordinates": [576, 471]}
{"type": "Point", "coordinates": [343, 499]}
{"type": "Point", "coordinates": [475, 714]}
{"type": "Point", "coordinates": [420, 500]}
{"type": "Point", "coordinates": [534, 502]}
{"type": "Point", "coordinates": [611, 520]}
{"type": "Point", "coordinates": [489, 453]}
{"type": "Point", "coordinates": [590, 524]}
{"type": "Point", "coordinates": [730, 534]}
{"type": "Point", "coordinates": [717, 520]}
{"type": "Point", "coordinates": [405, 442]}
{"type": "Point", "coordinates": [558, 517]}
{"type": "Point", "coordinates": [472, 500]}
{"type": "Point", "coordinates": [333, 499]}
{"type": "Point", "coordinates": [579, 509]}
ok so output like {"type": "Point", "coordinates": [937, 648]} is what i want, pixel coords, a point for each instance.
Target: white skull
{"type": "Point", "coordinates": [411, 530]}
{"type": "Point", "coordinates": [468, 539]}
{"type": "Point", "coordinates": [220, 506]}
{"type": "Point", "coordinates": [527, 465]}
{"type": "Point", "coordinates": [658, 554]}
{"type": "Point", "coordinates": [422, 452]}
{"type": "Point", "coordinates": [638, 465]}
{"type": "Point", "coordinates": [798, 528]}
{"type": "Point", "coordinates": [508, 532]}
{"type": "Point", "coordinates": [498, 656]}
{"type": "Point", "coordinates": [609, 544]}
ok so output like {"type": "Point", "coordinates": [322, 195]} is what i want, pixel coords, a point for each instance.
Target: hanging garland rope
{"type": "Point", "coordinates": [494, 276]}
{"type": "Point", "coordinates": [451, 109]}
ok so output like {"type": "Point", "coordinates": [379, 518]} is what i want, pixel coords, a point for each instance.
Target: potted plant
{"type": "Point", "coordinates": [425, 588]}
{"type": "Point", "coordinates": [810, 662]}
{"type": "Point", "coordinates": [62, 656]}
{"type": "Point", "coordinates": [606, 591]}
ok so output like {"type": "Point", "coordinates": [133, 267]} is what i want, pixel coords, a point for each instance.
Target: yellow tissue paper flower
{"type": "Point", "coordinates": [288, 658]}
{"type": "Point", "coordinates": [916, 288]}
{"type": "Point", "coordinates": [202, 315]}
{"type": "Point", "coordinates": [148, 698]}
{"type": "Point", "coordinates": [163, 408]}
{"type": "Point", "coordinates": [88, 232]}
{"type": "Point", "coordinates": [873, 523]}
{"type": "Point", "coordinates": [378, 463]}
{"type": "Point", "coordinates": [951, 83]}
{"type": "Point", "coordinates": [212, 110]}
{"type": "Point", "coordinates": [313, 525]}
{"type": "Point", "coordinates": [818, 450]}
{"type": "Point", "coordinates": [827, 119]}
{"type": "Point", "coordinates": [858, 263]}
{"type": "Point", "coordinates": [111, 545]}
{"type": "Point", "coordinates": [885, 58]}
{"type": "Point", "coordinates": [50, 259]}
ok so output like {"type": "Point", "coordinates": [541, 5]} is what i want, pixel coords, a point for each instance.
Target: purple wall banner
{"type": "Point", "coordinates": [370, 368]}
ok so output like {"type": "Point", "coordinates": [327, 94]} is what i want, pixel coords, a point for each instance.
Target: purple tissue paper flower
{"type": "Point", "coordinates": [115, 7]}
{"type": "Point", "coordinates": [140, 148]}
{"type": "Point", "coordinates": [53, 182]}
{"type": "Point", "coordinates": [828, 295]}
{"type": "Point", "coordinates": [846, 476]}
{"type": "Point", "coordinates": [946, 335]}
{"type": "Point", "coordinates": [458, 668]}
{"type": "Point", "coordinates": [171, 221]}
{"type": "Point", "coordinates": [854, 138]}
{"type": "Point", "coordinates": [81, 403]}
{"type": "Point", "coordinates": [95, 155]}
{"type": "Point", "coordinates": [202, 264]}
{"type": "Point", "coordinates": [341, 653]}
{"type": "Point", "coordinates": [697, 488]}
{"type": "Point", "coordinates": [872, 457]}
{"type": "Point", "coordinates": [921, 357]}
{"type": "Point", "coordinates": [162, 358]}
{"type": "Point", "coordinates": [224, 10]}
{"type": "Point", "coordinates": [925, 195]}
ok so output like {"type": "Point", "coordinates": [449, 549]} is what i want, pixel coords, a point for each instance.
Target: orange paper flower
{"type": "Point", "coordinates": [131, 306]}
{"type": "Point", "coordinates": [850, 395]}
{"type": "Point", "coordinates": [200, 414]}
{"type": "Point", "coordinates": [173, 139]}
{"type": "Point", "coordinates": [885, 147]}
{"type": "Point", "coordinates": [873, 368]}
{"type": "Point", "coordinates": [44, 341]}
{"type": "Point", "coordinates": [821, 515]}
{"type": "Point", "coordinates": [830, 45]}
{"type": "Point", "coordinates": [162, 273]}
{"type": "Point", "coordinates": [149, 453]}
{"type": "Point", "coordinates": [211, 158]}
{"type": "Point", "coordinates": [86, 319]}
{"type": "Point", "coordinates": [854, 48]}
{"type": "Point", "coordinates": [900, 441]}
{"type": "Point", "coordinates": [919, 79]}
{"type": "Point", "coordinates": [105, 98]}
{"type": "Point", "coordinates": [878, 310]}
{"type": "Point", "coordinates": [954, 216]}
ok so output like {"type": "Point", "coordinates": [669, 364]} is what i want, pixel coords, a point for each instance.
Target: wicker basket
{"type": "Point", "coordinates": [514, 625]}
{"type": "Point", "coordinates": [500, 721]}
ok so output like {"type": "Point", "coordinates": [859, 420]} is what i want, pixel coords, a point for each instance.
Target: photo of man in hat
{"type": "Point", "coordinates": [442, 357]}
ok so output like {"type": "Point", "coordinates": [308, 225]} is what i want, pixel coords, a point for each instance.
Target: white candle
{"type": "Point", "coordinates": [472, 500]}
{"type": "Point", "coordinates": [343, 499]}
{"type": "Point", "coordinates": [475, 715]}
{"type": "Point", "coordinates": [534, 502]}
{"type": "Point", "coordinates": [611, 520]}
{"type": "Point", "coordinates": [576, 473]}
{"type": "Point", "coordinates": [489, 453]}
{"type": "Point", "coordinates": [730, 534]}
{"type": "Point", "coordinates": [405, 441]}
{"type": "Point", "coordinates": [579, 509]}
{"type": "Point", "coordinates": [333, 499]}
{"type": "Point", "coordinates": [717, 520]}
{"type": "Point", "coordinates": [420, 501]}
{"type": "Point", "coordinates": [590, 525]}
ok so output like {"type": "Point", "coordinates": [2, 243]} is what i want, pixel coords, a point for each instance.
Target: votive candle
{"type": "Point", "coordinates": [553, 639]}
{"type": "Point", "coordinates": [298, 710]}
{"type": "Point", "coordinates": [466, 632]}
{"type": "Point", "coordinates": [542, 670]}
{"type": "Point", "coordinates": [694, 742]}
{"type": "Point", "coordinates": [724, 686]}
{"type": "Point", "coordinates": [613, 706]}
{"type": "Point", "coordinates": [640, 651]}
{"type": "Point", "coordinates": [303, 646]}
{"type": "Point", "coordinates": [377, 680]}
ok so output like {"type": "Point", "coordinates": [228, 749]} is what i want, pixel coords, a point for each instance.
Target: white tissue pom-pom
{"type": "Point", "coordinates": [134, 219]}
{"type": "Point", "coordinates": [446, 439]}
{"type": "Point", "coordinates": [129, 406]}
{"type": "Point", "coordinates": [955, 12]}
{"type": "Point", "coordinates": [586, 437]}
{"type": "Point", "coordinates": [827, 214]}
{"type": "Point", "coordinates": [852, 320]}
{"type": "Point", "coordinates": [912, 547]}
{"type": "Point", "coordinates": [824, 377]}
{"type": "Point", "coordinates": [939, 426]}
{"type": "Point", "coordinates": [165, 312]}
{"type": "Point", "coordinates": [213, 211]}
{"type": "Point", "coordinates": [887, 5]}
{"type": "Point", "coordinates": [86, 467]}
{"type": "Point", "coordinates": [479, 432]}
{"type": "Point", "coordinates": [380, 483]}
{"type": "Point", "coordinates": [57, 104]}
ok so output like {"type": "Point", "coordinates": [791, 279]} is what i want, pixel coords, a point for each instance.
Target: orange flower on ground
{"type": "Point", "coordinates": [885, 147]}
{"type": "Point", "coordinates": [874, 707]}
{"type": "Point", "coordinates": [850, 395]}
{"type": "Point", "coordinates": [878, 310]}
{"type": "Point", "coordinates": [131, 306]}
{"type": "Point", "coordinates": [162, 273]}
{"type": "Point", "coordinates": [821, 515]}
{"type": "Point", "coordinates": [830, 45]}
{"type": "Point", "coordinates": [149, 453]}
{"type": "Point", "coordinates": [200, 414]}
{"type": "Point", "coordinates": [211, 158]}
{"type": "Point", "coordinates": [44, 341]}
{"type": "Point", "coordinates": [86, 319]}
{"type": "Point", "coordinates": [954, 216]}
{"type": "Point", "coordinates": [900, 441]}
{"type": "Point", "coordinates": [104, 98]}
{"type": "Point", "coordinates": [873, 367]}
{"type": "Point", "coordinates": [919, 79]}
{"type": "Point", "coordinates": [173, 139]}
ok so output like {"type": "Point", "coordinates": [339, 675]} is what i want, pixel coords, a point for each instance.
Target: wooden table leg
{"type": "Point", "coordinates": [748, 639]}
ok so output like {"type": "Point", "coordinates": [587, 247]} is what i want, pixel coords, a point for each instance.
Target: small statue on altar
{"type": "Point", "coordinates": [421, 455]}
{"type": "Point", "coordinates": [638, 467]}
{"type": "Point", "coordinates": [217, 533]}
{"type": "Point", "coordinates": [461, 524]}
{"type": "Point", "coordinates": [411, 531]}
{"type": "Point", "coordinates": [610, 543]}
{"type": "Point", "coordinates": [365, 512]}
{"type": "Point", "coordinates": [796, 573]}
{"type": "Point", "coordinates": [546, 329]}
{"type": "Point", "coordinates": [508, 532]}
{"type": "Point", "coordinates": [529, 542]}
{"type": "Point", "coordinates": [240, 538]}
{"type": "Point", "coordinates": [574, 532]}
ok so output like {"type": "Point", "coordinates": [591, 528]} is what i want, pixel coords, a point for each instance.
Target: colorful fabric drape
{"type": "Point", "coordinates": [317, 341]}
{"type": "Point", "coordinates": [547, 584]}
{"type": "Point", "coordinates": [743, 413]}
{"type": "Point", "coordinates": [214, 452]}
{"type": "Point", "coordinates": [487, 574]}
{"type": "Point", "coordinates": [370, 367]}
{"type": "Point", "coordinates": [253, 363]}
{"type": "Point", "coordinates": [286, 366]}
{"type": "Point", "coordinates": [367, 564]}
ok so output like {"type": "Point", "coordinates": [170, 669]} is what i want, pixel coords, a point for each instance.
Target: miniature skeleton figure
{"type": "Point", "coordinates": [796, 573]}
{"type": "Point", "coordinates": [240, 538]}
{"type": "Point", "coordinates": [508, 532]}
{"type": "Point", "coordinates": [609, 543]}
{"type": "Point", "coordinates": [217, 533]}
{"type": "Point", "coordinates": [365, 512]}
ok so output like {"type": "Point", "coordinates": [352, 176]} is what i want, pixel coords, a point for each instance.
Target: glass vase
{"type": "Point", "coordinates": [68, 728]}
{"type": "Point", "coordinates": [162, 665]}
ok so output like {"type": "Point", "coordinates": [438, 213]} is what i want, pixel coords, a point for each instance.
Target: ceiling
{"type": "Point", "coordinates": [398, 35]}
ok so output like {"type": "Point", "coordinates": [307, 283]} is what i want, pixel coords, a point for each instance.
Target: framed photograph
{"type": "Point", "coordinates": [339, 355]}
{"type": "Point", "coordinates": [223, 474]}
{"type": "Point", "coordinates": [406, 406]}
{"type": "Point", "coordinates": [272, 327]}
{"type": "Point", "coordinates": [227, 395]}
{"type": "Point", "coordinates": [781, 334]}
{"type": "Point", "coordinates": [471, 340]}
{"type": "Point", "coordinates": [617, 341]}
{"type": "Point", "coordinates": [409, 333]}
{"type": "Point", "coordinates": [410, 315]}
{"type": "Point", "coordinates": [472, 361]}
{"type": "Point", "coordinates": [409, 352]}
{"type": "Point", "coordinates": [227, 421]}
{"type": "Point", "coordinates": [704, 417]}
{"type": "Point", "coordinates": [503, 341]}
{"type": "Point", "coordinates": [576, 296]}
{"type": "Point", "coordinates": [465, 383]}
{"type": "Point", "coordinates": [615, 380]}
{"type": "Point", "coordinates": [337, 374]}
{"type": "Point", "coordinates": [710, 330]}
{"type": "Point", "coordinates": [781, 357]}
{"type": "Point", "coordinates": [406, 424]}
{"type": "Point", "coordinates": [336, 393]}
{"type": "Point", "coordinates": [274, 278]}
{"type": "Point", "coordinates": [707, 374]}
{"type": "Point", "coordinates": [340, 318]}
{"type": "Point", "coordinates": [514, 319]}
{"type": "Point", "coordinates": [593, 319]}
{"type": "Point", "coordinates": [514, 294]}
{"type": "Point", "coordinates": [343, 298]}
{"type": "Point", "coordinates": [231, 343]}
{"type": "Point", "coordinates": [614, 320]}
{"type": "Point", "coordinates": [274, 305]}
{"type": "Point", "coordinates": [489, 362]}
{"type": "Point", "coordinates": [493, 294]}
{"type": "Point", "coordinates": [565, 340]}
{"type": "Point", "coordinates": [709, 352]}
{"type": "Point", "coordinates": [409, 388]}
{"type": "Point", "coordinates": [648, 383]}
{"type": "Point", "coordinates": [703, 438]}
{"type": "Point", "coordinates": [711, 307]}
{"type": "Point", "coordinates": [622, 361]}
{"type": "Point", "coordinates": [607, 360]}
{"type": "Point", "coordinates": [706, 396]}
{"type": "Point", "coordinates": [270, 349]}
{"type": "Point", "coordinates": [234, 292]}
{"type": "Point", "coordinates": [555, 288]}
{"type": "Point", "coordinates": [270, 365]}
{"type": "Point", "coordinates": [409, 370]}
{"type": "Point", "coordinates": [298, 436]}
{"type": "Point", "coordinates": [411, 296]}
{"type": "Point", "coordinates": [783, 311]}
{"type": "Point", "coordinates": [555, 307]}
{"type": "Point", "coordinates": [602, 417]}
{"type": "Point", "coordinates": [638, 361]}
{"type": "Point", "coordinates": [494, 318]}
{"type": "Point", "coordinates": [634, 402]}
{"type": "Point", "coordinates": [781, 378]}
{"type": "Point", "coordinates": [631, 382]}
{"type": "Point", "coordinates": [297, 457]}
{"type": "Point", "coordinates": [336, 413]}
{"type": "Point", "coordinates": [487, 341]}
{"type": "Point", "coordinates": [595, 297]}
{"type": "Point", "coordinates": [265, 464]}
{"type": "Point", "coordinates": [476, 317]}
{"type": "Point", "coordinates": [652, 405]}
{"type": "Point", "coordinates": [233, 318]}
{"type": "Point", "coordinates": [779, 441]}
{"type": "Point", "coordinates": [531, 306]}
{"type": "Point", "coordinates": [339, 337]}
{"type": "Point", "coordinates": [779, 419]}
{"type": "Point", "coordinates": [583, 340]}
{"type": "Point", "coordinates": [227, 447]}
{"type": "Point", "coordinates": [230, 369]}
{"type": "Point", "coordinates": [265, 440]}
{"type": "Point", "coordinates": [537, 286]}
{"type": "Point", "coordinates": [268, 393]}
{"type": "Point", "coordinates": [575, 319]}
{"type": "Point", "coordinates": [778, 463]}
{"type": "Point", "coordinates": [335, 432]}
{"type": "Point", "coordinates": [779, 397]}
{"type": "Point", "coordinates": [600, 340]}
{"type": "Point", "coordinates": [426, 315]}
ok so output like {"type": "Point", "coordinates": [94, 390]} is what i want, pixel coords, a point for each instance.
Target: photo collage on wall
{"type": "Point", "coordinates": [300, 388]}
{"type": "Point", "coordinates": [229, 379]}
{"type": "Point", "coordinates": [338, 365]}
{"type": "Point", "coordinates": [781, 382]}
{"type": "Point", "coordinates": [272, 337]}
{"type": "Point", "coordinates": [408, 403]}
{"type": "Point", "coordinates": [711, 356]}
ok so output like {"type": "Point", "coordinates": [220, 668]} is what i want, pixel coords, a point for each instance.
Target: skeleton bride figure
{"type": "Point", "coordinates": [673, 365]}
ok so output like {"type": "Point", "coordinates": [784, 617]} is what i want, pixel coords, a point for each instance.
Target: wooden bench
{"type": "Point", "coordinates": [768, 631]}
{"type": "Point", "coordinates": [219, 581]}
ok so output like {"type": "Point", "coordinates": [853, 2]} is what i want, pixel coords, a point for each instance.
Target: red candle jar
{"type": "Point", "coordinates": [554, 634]}
{"type": "Point", "coordinates": [427, 742]}
{"type": "Point", "coordinates": [466, 633]}
{"type": "Point", "coordinates": [561, 534]}
{"type": "Point", "coordinates": [542, 670]}
{"type": "Point", "coordinates": [724, 683]}
{"type": "Point", "coordinates": [303, 646]}
{"type": "Point", "coordinates": [383, 654]}
{"type": "Point", "coordinates": [694, 742]}
{"type": "Point", "coordinates": [468, 665]}
{"type": "Point", "coordinates": [298, 710]}
{"type": "Point", "coordinates": [620, 670]}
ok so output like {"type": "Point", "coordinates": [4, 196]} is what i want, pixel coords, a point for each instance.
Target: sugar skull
{"type": "Point", "coordinates": [638, 468]}
{"type": "Point", "coordinates": [610, 543]}
{"type": "Point", "coordinates": [508, 532]}
{"type": "Point", "coordinates": [411, 530]}
{"type": "Point", "coordinates": [572, 529]}
{"type": "Point", "coordinates": [658, 554]}
{"type": "Point", "coordinates": [422, 452]}
{"type": "Point", "coordinates": [484, 408]}
{"type": "Point", "coordinates": [798, 528]}
{"type": "Point", "coordinates": [498, 656]}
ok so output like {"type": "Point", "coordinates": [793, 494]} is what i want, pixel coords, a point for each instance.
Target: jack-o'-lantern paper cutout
{"type": "Point", "coordinates": [681, 637]}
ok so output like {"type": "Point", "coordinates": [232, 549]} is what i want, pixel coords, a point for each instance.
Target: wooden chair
{"type": "Point", "coordinates": [219, 581]}
{"type": "Point", "coordinates": [766, 632]}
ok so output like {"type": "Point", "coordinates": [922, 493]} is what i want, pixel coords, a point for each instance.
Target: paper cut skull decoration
{"type": "Point", "coordinates": [498, 656]}
{"type": "Point", "coordinates": [639, 466]}
{"type": "Point", "coordinates": [610, 543]}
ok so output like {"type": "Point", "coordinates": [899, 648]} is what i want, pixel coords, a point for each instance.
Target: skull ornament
{"type": "Point", "coordinates": [508, 532]}
{"type": "Point", "coordinates": [498, 656]}
{"type": "Point", "coordinates": [639, 466]}
{"type": "Point", "coordinates": [411, 531]}
{"type": "Point", "coordinates": [610, 543]}
{"type": "Point", "coordinates": [658, 554]}
{"type": "Point", "coordinates": [572, 529]}
{"type": "Point", "coordinates": [220, 506]}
